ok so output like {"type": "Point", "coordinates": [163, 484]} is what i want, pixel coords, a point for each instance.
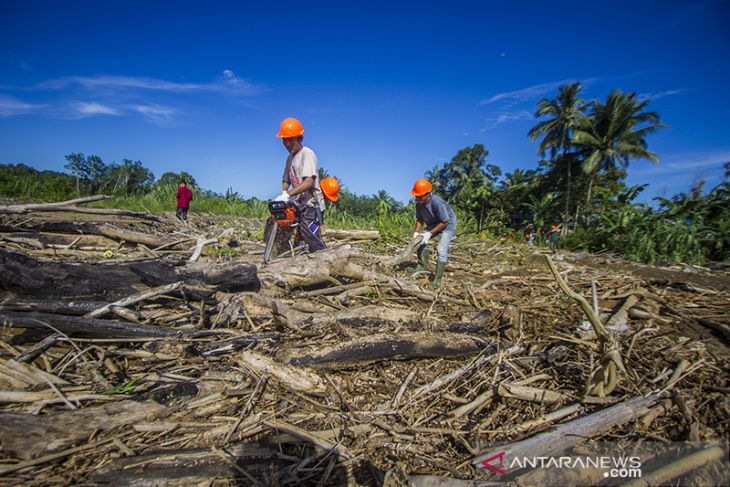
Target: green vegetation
{"type": "Point", "coordinates": [585, 146]}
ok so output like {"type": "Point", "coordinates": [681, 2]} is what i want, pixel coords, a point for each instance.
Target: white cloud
{"type": "Point", "coordinates": [660, 94]}
{"type": "Point", "coordinates": [155, 113]}
{"type": "Point", "coordinates": [228, 83]}
{"type": "Point", "coordinates": [529, 93]}
{"type": "Point", "coordinates": [88, 109]}
{"type": "Point", "coordinates": [506, 117]}
{"type": "Point", "coordinates": [9, 105]}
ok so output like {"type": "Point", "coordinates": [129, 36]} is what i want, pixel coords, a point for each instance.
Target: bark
{"type": "Point", "coordinates": [196, 466]}
{"type": "Point", "coordinates": [311, 269]}
{"type": "Point", "coordinates": [42, 240]}
{"type": "Point", "coordinates": [87, 327]}
{"type": "Point", "coordinates": [567, 435]}
{"type": "Point", "coordinates": [406, 254]}
{"type": "Point", "coordinates": [352, 234]}
{"type": "Point", "coordinates": [294, 379]}
{"type": "Point", "coordinates": [26, 435]}
{"type": "Point", "coordinates": [102, 229]}
{"type": "Point", "coordinates": [665, 474]}
{"type": "Point", "coordinates": [19, 209]}
{"type": "Point", "coordinates": [27, 275]}
{"type": "Point", "coordinates": [76, 307]}
{"type": "Point", "coordinates": [68, 206]}
{"type": "Point", "coordinates": [403, 346]}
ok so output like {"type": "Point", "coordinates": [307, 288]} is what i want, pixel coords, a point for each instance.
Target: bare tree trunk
{"type": "Point", "coordinates": [567, 189]}
{"type": "Point", "coordinates": [590, 190]}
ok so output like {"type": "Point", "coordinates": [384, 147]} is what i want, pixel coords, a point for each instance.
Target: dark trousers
{"type": "Point", "coordinates": [310, 228]}
{"type": "Point", "coordinates": [182, 213]}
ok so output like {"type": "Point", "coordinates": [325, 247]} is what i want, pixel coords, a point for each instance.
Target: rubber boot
{"type": "Point", "coordinates": [423, 256]}
{"type": "Point", "coordinates": [439, 273]}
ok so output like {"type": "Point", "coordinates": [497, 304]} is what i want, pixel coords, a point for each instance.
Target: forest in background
{"type": "Point", "coordinates": [585, 148]}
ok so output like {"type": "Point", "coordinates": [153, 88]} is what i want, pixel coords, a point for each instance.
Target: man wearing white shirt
{"type": "Point", "coordinates": [299, 184]}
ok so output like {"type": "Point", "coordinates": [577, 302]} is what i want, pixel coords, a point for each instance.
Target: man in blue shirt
{"type": "Point", "coordinates": [437, 217]}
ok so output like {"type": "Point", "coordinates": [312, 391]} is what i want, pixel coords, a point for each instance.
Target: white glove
{"type": "Point", "coordinates": [284, 196]}
{"type": "Point", "coordinates": [415, 234]}
{"type": "Point", "coordinates": [426, 237]}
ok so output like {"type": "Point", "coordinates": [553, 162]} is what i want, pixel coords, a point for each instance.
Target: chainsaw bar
{"type": "Point", "coordinates": [270, 242]}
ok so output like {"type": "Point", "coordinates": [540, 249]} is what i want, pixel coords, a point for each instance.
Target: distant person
{"type": "Point", "coordinates": [530, 236]}
{"type": "Point", "coordinates": [553, 237]}
{"type": "Point", "coordinates": [184, 197]}
{"type": "Point", "coordinates": [299, 184]}
{"type": "Point", "coordinates": [437, 217]}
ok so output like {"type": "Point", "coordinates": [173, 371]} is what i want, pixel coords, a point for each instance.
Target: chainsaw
{"type": "Point", "coordinates": [284, 216]}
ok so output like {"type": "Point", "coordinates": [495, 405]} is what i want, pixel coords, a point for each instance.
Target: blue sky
{"type": "Point", "coordinates": [385, 90]}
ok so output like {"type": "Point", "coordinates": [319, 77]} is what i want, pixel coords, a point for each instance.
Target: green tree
{"type": "Point", "coordinates": [513, 192]}
{"type": "Point", "coordinates": [467, 182]}
{"type": "Point", "coordinates": [564, 114]}
{"type": "Point", "coordinates": [175, 178]}
{"type": "Point", "coordinates": [129, 178]}
{"type": "Point", "coordinates": [88, 170]}
{"type": "Point", "coordinates": [613, 134]}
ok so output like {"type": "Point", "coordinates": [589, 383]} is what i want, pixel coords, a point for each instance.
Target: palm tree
{"type": "Point", "coordinates": [615, 133]}
{"type": "Point", "coordinates": [386, 199]}
{"type": "Point", "coordinates": [565, 113]}
{"type": "Point", "coordinates": [435, 175]}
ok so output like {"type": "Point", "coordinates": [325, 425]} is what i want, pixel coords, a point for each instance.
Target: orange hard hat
{"type": "Point", "coordinates": [290, 127]}
{"type": "Point", "coordinates": [330, 188]}
{"type": "Point", "coordinates": [421, 187]}
{"type": "Point", "coordinates": [553, 227]}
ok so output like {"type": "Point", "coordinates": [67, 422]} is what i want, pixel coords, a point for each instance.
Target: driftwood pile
{"type": "Point", "coordinates": [138, 350]}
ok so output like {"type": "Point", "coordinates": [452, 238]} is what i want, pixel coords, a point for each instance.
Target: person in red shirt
{"type": "Point", "coordinates": [184, 197]}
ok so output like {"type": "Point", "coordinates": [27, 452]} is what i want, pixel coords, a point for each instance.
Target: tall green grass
{"type": "Point", "coordinates": [163, 199]}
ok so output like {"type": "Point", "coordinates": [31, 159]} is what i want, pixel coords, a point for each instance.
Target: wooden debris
{"type": "Point", "coordinates": [295, 379]}
{"type": "Point", "coordinates": [565, 436]}
{"type": "Point", "coordinates": [139, 367]}
{"type": "Point", "coordinates": [402, 346]}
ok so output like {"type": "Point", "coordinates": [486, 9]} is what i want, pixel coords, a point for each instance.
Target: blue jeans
{"type": "Point", "coordinates": [442, 249]}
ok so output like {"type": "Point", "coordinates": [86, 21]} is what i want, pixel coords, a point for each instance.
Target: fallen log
{"type": "Point", "coordinates": [6, 469]}
{"type": "Point", "coordinates": [19, 209]}
{"type": "Point", "coordinates": [195, 466]}
{"type": "Point", "coordinates": [311, 269]}
{"type": "Point", "coordinates": [292, 378]}
{"type": "Point", "coordinates": [135, 298]}
{"type": "Point", "coordinates": [58, 241]}
{"type": "Point", "coordinates": [69, 206]}
{"type": "Point", "coordinates": [351, 234]}
{"type": "Point", "coordinates": [27, 436]}
{"type": "Point", "coordinates": [406, 254]}
{"type": "Point", "coordinates": [567, 435]}
{"type": "Point", "coordinates": [664, 475]}
{"type": "Point", "coordinates": [88, 327]}
{"type": "Point", "coordinates": [401, 346]}
{"type": "Point", "coordinates": [24, 274]}
{"type": "Point", "coordinates": [88, 228]}
{"type": "Point", "coordinates": [75, 307]}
